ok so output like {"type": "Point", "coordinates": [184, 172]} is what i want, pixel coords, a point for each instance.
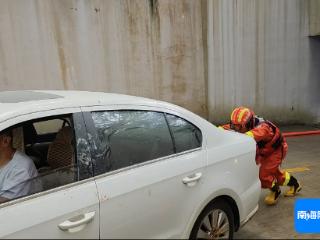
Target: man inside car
{"type": "Point", "coordinates": [16, 170]}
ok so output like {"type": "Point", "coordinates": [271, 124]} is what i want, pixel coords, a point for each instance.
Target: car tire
{"type": "Point", "coordinates": [216, 221]}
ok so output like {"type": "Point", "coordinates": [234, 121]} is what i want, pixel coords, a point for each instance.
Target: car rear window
{"type": "Point", "coordinates": [186, 135]}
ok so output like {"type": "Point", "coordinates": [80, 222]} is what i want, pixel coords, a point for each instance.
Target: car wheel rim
{"type": "Point", "coordinates": [215, 225]}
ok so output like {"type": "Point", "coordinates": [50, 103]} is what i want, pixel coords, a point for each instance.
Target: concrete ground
{"type": "Point", "coordinates": [303, 159]}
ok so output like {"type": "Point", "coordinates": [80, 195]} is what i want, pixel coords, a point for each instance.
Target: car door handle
{"type": "Point", "coordinates": [193, 178]}
{"type": "Point", "coordinates": [77, 221]}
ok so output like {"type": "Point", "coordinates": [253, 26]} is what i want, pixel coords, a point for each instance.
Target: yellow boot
{"type": "Point", "coordinates": [273, 196]}
{"type": "Point", "coordinates": [293, 190]}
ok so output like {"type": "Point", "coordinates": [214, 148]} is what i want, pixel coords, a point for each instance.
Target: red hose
{"type": "Point", "coordinates": [301, 134]}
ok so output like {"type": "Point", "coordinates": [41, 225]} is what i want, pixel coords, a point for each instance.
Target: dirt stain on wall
{"type": "Point", "coordinates": [60, 48]}
{"type": "Point", "coordinates": [3, 73]}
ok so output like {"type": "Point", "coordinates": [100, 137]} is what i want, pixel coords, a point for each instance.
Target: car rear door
{"type": "Point", "coordinates": [69, 211]}
{"type": "Point", "coordinates": [151, 198]}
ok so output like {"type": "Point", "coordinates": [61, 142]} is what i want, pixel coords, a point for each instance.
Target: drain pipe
{"type": "Point", "coordinates": [301, 133]}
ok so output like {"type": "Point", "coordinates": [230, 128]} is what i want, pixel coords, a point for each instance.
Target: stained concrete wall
{"type": "Point", "coordinates": [139, 47]}
{"type": "Point", "coordinates": [260, 56]}
{"type": "Point", "coordinates": [207, 56]}
{"type": "Point", "coordinates": [314, 17]}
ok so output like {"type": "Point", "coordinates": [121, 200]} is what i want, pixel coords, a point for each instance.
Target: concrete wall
{"type": "Point", "coordinates": [139, 47]}
{"type": "Point", "coordinates": [260, 56]}
{"type": "Point", "coordinates": [314, 17]}
{"type": "Point", "coordinates": [207, 56]}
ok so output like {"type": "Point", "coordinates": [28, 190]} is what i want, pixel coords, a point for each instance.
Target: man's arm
{"type": "Point", "coordinates": [17, 184]}
{"type": "Point", "coordinates": [261, 133]}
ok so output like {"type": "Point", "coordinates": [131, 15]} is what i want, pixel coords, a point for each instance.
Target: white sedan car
{"type": "Point", "coordinates": [117, 166]}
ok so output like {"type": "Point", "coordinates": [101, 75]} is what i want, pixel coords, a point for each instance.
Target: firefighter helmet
{"type": "Point", "coordinates": [242, 119]}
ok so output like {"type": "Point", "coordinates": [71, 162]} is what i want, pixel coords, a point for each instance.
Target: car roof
{"type": "Point", "coordinates": [75, 98]}
{"type": "Point", "coordinates": [15, 103]}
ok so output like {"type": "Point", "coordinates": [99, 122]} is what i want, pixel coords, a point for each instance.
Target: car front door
{"type": "Point", "coordinates": [66, 211]}
{"type": "Point", "coordinates": [147, 188]}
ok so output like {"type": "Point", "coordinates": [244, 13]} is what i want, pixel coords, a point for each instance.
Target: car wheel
{"type": "Point", "coordinates": [216, 221]}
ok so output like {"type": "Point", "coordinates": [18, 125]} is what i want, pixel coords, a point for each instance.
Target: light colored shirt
{"type": "Point", "coordinates": [16, 175]}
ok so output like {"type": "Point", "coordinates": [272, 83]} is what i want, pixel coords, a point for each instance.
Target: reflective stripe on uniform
{"type": "Point", "coordinates": [287, 178]}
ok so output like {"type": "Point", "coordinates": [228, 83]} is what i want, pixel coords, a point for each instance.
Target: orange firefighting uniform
{"type": "Point", "coordinates": [271, 150]}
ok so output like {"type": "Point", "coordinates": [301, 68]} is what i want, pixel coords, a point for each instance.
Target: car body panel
{"type": "Point", "coordinates": [39, 215]}
{"type": "Point", "coordinates": [237, 167]}
{"type": "Point", "coordinates": [149, 200]}
{"type": "Point", "coordinates": [230, 171]}
{"type": "Point", "coordinates": [69, 99]}
{"type": "Point", "coordinates": [144, 201]}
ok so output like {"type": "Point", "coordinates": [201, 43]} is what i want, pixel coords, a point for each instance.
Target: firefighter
{"type": "Point", "coordinates": [271, 149]}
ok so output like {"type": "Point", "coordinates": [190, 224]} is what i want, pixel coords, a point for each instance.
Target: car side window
{"type": "Point", "coordinates": [126, 138]}
{"type": "Point", "coordinates": [41, 160]}
{"type": "Point", "coordinates": [186, 135]}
